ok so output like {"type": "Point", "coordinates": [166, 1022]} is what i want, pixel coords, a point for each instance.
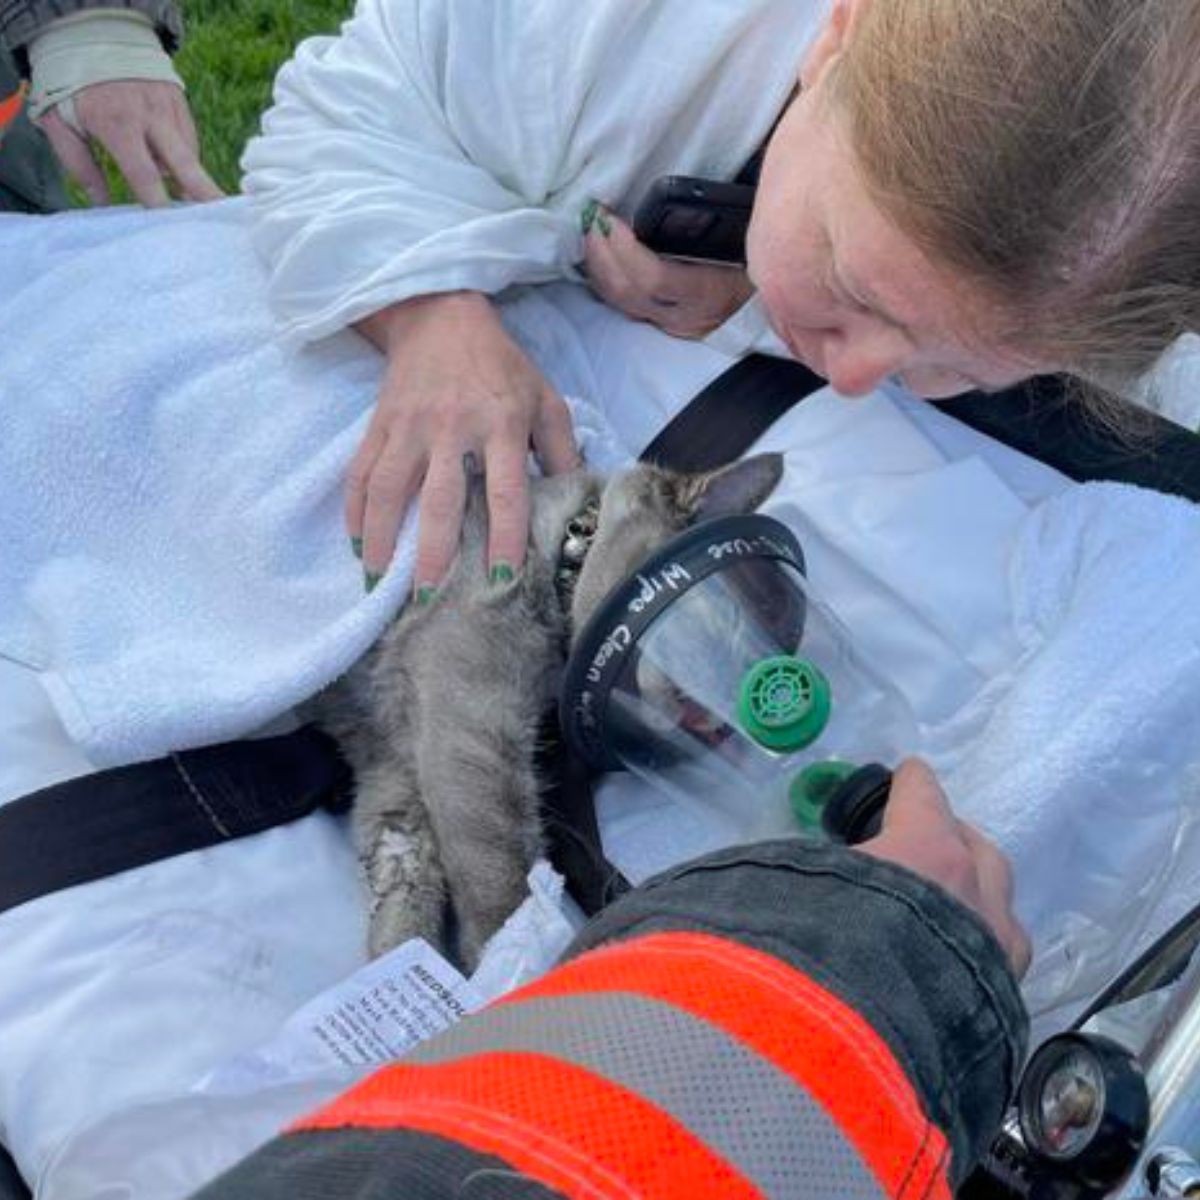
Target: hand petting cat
{"type": "Point", "coordinates": [456, 386]}
{"type": "Point", "coordinates": [459, 389]}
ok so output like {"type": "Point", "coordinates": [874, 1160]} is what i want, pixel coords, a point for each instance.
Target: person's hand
{"type": "Point", "coordinates": [920, 832]}
{"type": "Point", "coordinates": [688, 300]}
{"type": "Point", "coordinates": [456, 386]}
{"type": "Point", "coordinates": [147, 128]}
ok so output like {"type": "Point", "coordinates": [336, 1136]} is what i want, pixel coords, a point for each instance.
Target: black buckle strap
{"type": "Point", "coordinates": [86, 829]}
{"type": "Point", "coordinates": [89, 828]}
{"type": "Point", "coordinates": [724, 420]}
{"type": "Point", "coordinates": [1038, 419]}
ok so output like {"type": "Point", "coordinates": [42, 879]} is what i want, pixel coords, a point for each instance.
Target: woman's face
{"type": "Point", "coordinates": [851, 296]}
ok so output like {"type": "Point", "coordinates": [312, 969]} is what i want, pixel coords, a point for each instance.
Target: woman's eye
{"type": "Point", "coordinates": [855, 304]}
{"type": "Point", "coordinates": [848, 301]}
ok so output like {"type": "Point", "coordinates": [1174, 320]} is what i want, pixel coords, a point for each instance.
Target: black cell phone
{"type": "Point", "coordinates": [699, 220]}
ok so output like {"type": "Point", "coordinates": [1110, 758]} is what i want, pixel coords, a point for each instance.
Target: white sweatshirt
{"type": "Point", "coordinates": [447, 144]}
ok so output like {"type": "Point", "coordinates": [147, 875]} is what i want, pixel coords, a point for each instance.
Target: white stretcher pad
{"type": "Point", "coordinates": [178, 573]}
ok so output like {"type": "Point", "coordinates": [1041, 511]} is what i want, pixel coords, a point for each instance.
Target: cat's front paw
{"type": "Point", "coordinates": [477, 923]}
{"type": "Point", "coordinates": [408, 894]}
{"type": "Point", "coordinates": [394, 921]}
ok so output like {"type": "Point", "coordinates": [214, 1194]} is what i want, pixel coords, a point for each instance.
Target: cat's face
{"type": "Point", "coordinates": [642, 508]}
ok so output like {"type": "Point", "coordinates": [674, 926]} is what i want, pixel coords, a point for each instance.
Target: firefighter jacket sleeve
{"type": "Point", "coordinates": [100, 46]}
{"type": "Point", "coordinates": [779, 1020]}
{"type": "Point", "coordinates": [22, 20]}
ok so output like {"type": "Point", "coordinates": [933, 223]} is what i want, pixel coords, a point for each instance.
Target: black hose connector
{"type": "Point", "coordinates": [854, 813]}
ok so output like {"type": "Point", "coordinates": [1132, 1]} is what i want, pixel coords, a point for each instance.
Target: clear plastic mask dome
{"type": "Point", "coordinates": [739, 684]}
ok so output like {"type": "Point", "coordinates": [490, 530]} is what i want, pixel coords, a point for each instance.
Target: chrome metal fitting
{"type": "Point", "coordinates": [1173, 1174]}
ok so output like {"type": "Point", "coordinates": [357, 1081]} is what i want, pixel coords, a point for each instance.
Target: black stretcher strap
{"type": "Point", "coordinates": [723, 421]}
{"type": "Point", "coordinates": [102, 824]}
{"type": "Point", "coordinates": [1036, 418]}
{"type": "Point", "coordinates": [86, 829]}
{"type": "Point", "coordinates": [12, 1186]}
{"type": "Point", "coordinates": [1039, 420]}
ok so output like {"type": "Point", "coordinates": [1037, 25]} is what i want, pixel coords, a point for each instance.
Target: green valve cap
{"type": "Point", "coordinates": [784, 703]}
{"type": "Point", "coordinates": [812, 789]}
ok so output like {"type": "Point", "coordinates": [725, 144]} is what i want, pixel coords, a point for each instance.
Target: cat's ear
{"type": "Point", "coordinates": [739, 488]}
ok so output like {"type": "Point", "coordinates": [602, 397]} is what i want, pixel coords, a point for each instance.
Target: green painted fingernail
{"type": "Point", "coordinates": [426, 594]}
{"type": "Point", "coordinates": [356, 546]}
{"type": "Point", "coordinates": [603, 224]}
{"type": "Point", "coordinates": [587, 218]}
{"type": "Point", "coordinates": [501, 572]}
{"type": "Point", "coordinates": [371, 580]}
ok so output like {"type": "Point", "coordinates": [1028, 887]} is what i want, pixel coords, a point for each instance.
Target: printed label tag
{"type": "Point", "coordinates": [387, 1007]}
{"type": "Point", "coordinates": [374, 1016]}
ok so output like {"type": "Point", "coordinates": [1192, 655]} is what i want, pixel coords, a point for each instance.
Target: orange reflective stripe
{"type": "Point", "coordinates": [10, 106]}
{"type": "Point", "coordinates": [561, 1125]}
{"type": "Point", "coordinates": [807, 1032]}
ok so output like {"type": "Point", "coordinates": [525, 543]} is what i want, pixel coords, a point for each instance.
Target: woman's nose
{"type": "Point", "coordinates": [857, 363]}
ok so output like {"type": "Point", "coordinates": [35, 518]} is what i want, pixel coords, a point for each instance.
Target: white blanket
{"type": "Point", "coordinates": [174, 565]}
{"type": "Point", "coordinates": [175, 570]}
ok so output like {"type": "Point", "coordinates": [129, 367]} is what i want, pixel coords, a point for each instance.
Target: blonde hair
{"type": "Point", "coordinates": [1047, 150]}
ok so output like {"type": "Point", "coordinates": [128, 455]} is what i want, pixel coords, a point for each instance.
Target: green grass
{"type": "Point", "coordinates": [229, 58]}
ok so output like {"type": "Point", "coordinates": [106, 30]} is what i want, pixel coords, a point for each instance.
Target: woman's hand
{"type": "Point", "coordinates": [688, 300]}
{"type": "Point", "coordinates": [920, 832]}
{"type": "Point", "coordinates": [456, 385]}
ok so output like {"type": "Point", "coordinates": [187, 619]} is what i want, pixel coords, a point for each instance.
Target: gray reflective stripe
{"type": "Point", "coordinates": [733, 1100]}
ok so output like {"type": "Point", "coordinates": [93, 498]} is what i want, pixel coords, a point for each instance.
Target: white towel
{"type": "Point", "coordinates": [1084, 759]}
{"type": "Point", "coordinates": [175, 563]}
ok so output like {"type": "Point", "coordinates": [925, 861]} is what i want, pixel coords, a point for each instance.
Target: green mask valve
{"type": "Point", "coordinates": [812, 789]}
{"type": "Point", "coordinates": [784, 703]}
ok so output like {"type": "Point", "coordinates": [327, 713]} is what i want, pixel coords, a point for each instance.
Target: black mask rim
{"type": "Point", "coordinates": [623, 616]}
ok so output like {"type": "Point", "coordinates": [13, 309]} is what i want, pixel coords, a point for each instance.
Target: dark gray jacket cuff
{"type": "Point", "coordinates": [922, 969]}
{"type": "Point", "coordinates": [22, 20]}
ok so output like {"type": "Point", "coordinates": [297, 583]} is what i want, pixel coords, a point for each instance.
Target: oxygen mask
{"type": "Point", "coordinates": [716, 674]}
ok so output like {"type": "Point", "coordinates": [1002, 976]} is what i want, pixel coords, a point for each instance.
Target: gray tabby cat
{"type": "Point", "coordinates": [440, 719]}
